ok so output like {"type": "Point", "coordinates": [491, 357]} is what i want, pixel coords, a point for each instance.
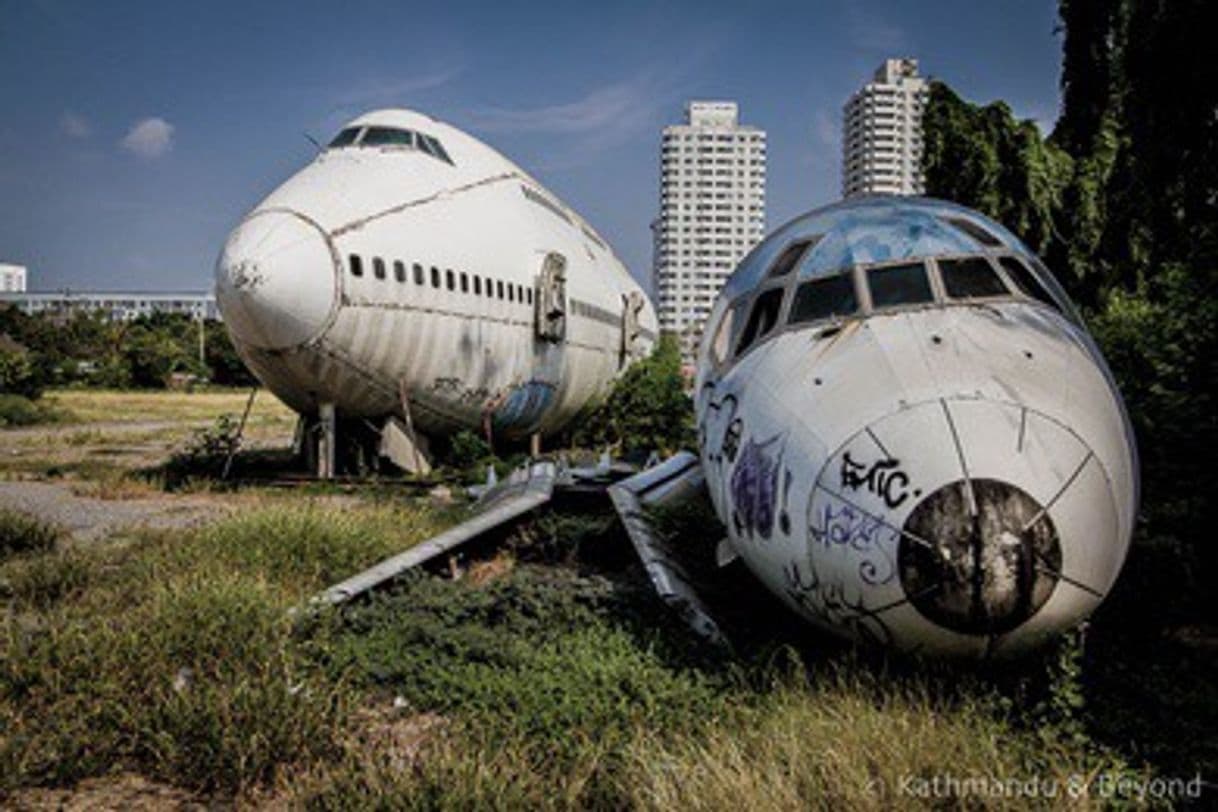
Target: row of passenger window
{"type": "Point", "coordinates": [447, 279]}
{"type": "Point", "coordinates": [887, 286]}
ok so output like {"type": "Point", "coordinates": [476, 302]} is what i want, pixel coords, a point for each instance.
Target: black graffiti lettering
{"type": "Point", "coordinates": [731, 439]}
{"type": "Point", "coordinates": [883, 477]}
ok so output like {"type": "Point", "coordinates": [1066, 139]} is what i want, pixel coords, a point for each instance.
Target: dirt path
{"type": "Point", "coordinates": [89, 519]}
{"type": "Point", "coordinates": [109, 427]}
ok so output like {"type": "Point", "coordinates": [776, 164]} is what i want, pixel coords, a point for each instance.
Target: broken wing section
{"type": "Point", "coordinates": [676, 479]}
{"type": "Point", "coordinates": [525, 490]}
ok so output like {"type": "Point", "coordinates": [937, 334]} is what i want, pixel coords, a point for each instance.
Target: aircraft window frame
{"type": "Point", "coordinates": [411, 140]}
{"type": "Point", "coordinates": [464, 282]}
{"type": "Point", "coordinates": [378, 267]}
{"type": "Point", "coordinates": [477, 285]}
{"type": "Point", "coordinates": [1040, 293]}
{"type": "Point", "coordinates": [399, 271]}
{"type": "Point", "coordinates": [490, 288]}
{"type": "Point", "coordinates": [940, 267]}
{"type": "Point", "coordinates": [850, 275]}
{"type": "Point", "coordinates": [356, 263]}
{"type": "Point", "coordinates": [980, 233]}
{"type": "Point", "coordinates": [417, 271]}
{"type": "Point", "coordinates": [529, 294]}
{"type": "Point", "coordinates": [381, 129]}
{"type": "Point", "coordinates": [337, 143]}
{"type": "Point", "coordinates": [791, 256]}
{"type": "Point", "coordinates": [499, 289]}
{"type": "Point", "coordinates": [869, 271]}
{"type": "Point", "coordinates": [437, 148]}
{"type": "Point", "coordinates": [751, 336]}
{"type": "Point", "coordinates": [435, 277]}
{"type": "Point", "coordinates": [450, 279]}
{"type": "Point", "coordinates": [721, 343]}
{"type": "Point", "coordinates": [511, 292]}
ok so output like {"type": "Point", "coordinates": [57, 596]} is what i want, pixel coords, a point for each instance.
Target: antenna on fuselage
{"type": "Point", "coordinates": [314, 142]}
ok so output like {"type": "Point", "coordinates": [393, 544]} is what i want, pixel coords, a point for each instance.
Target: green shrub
{"type": "Point", "coordinates": [18, 410]}
{"type": "Point", "coordinates": [648, 409]}
{"type": "Point", "coordinates": [21, 533]}
{"type": "Point", "coordinates": [19, 375]}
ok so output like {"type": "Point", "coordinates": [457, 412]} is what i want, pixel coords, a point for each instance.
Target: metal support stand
{"type": "Point", "coordinates": [327, 441]}
{"type": "Point", "coordinates": [232, 450]}
{"type": "Point", "coordinates": [421, 465]}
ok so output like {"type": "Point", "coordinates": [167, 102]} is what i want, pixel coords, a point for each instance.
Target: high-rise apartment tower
{"type": "Point", "coordinates": [882, 133]}
{"type": "Point", "coordinates": [712, 211]}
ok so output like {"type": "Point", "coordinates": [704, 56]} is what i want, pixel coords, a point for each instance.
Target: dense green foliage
{"type": "Point", "coordinates": [84, 349]}
{"type": "Point", "coordinates": [1122, 202]}
{"type": "Point", "coordinates": [647, 410]}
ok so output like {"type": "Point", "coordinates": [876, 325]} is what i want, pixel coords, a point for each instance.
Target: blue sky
{"type": "Point", "coordinates": [136, 134]}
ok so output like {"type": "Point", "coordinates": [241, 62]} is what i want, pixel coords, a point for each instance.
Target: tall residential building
{"type": "Point", "coordinates": [712, 211]}
{"type": "Point", "coordinates": [12, 278]}
{"type": "Point", "coordinates": [882, 133]}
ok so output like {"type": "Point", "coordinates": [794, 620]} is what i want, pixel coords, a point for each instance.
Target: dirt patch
{"type": "Point", "coordinates": [123, 791]}
{"type": "Point", "coordinates": [89, 519]}
{"type": "Point", "coordinates": [394, 735]}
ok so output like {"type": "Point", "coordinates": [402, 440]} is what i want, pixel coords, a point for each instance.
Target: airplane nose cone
{"type": "Point", "coordinates": [991, 561]}
{"type": "Point", "coordinates": [968, 526]}
{"type": "Point", "coordinates": [276, 280]}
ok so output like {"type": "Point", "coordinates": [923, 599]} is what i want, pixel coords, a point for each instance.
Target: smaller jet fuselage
{"type": "Point", "coordinates": [910, 436]}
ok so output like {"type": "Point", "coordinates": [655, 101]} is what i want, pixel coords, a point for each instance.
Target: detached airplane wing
{"type": "Point", "coordinates": [675, 480]}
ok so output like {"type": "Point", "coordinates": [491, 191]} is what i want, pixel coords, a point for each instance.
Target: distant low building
{"type": "Point", "coordinates": [115, 305]}
{"type": "Point", "coordinates": [12, 278]}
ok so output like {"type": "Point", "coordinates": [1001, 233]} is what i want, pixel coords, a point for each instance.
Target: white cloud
{"type": "Point", "coordinates": [74, 125]}
{"type": "Point", "coordinates": [873, 34]}
{"type": "Point", "coordinates": [149, 137]}
{"type": "Point", "coordinates": [394, 91]}
{"type": "Point", "coordinates": [827, 130]}
{"type": "Point", "coordinates": [601, 119]}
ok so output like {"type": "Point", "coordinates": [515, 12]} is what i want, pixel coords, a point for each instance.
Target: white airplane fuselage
{"type": "Point", "coordinates": [909, 435]}
{"type": "Point", "coordinates": [411, 267]}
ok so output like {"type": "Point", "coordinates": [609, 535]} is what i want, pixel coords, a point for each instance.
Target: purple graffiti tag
{"type": "Point", "coordinates": [755, 486]}
{"type": "Point", "coordinates": [843, 525]}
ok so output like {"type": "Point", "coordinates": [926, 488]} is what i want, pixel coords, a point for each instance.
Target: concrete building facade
{"type": "Point", "coordinates": [712, 212]}
{"type": "Point", "coordinates": [13, 278]}
{"type": "Point", "coordinates": [882, 133]}
{"type": "Point", "coordinates": [115, 305]}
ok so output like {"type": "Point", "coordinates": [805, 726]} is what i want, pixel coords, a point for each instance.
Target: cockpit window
{"type": "Point", "coordinates": [761, 320]}
{"type": "Point", "coordinates": [970, 278]}
{"type": "Point", "coordinates": [1027, 282]}
{"type": "Point", "coordinates": [899, 285]}
{"type": "Point", "coordinates": [975, 231]}
{"type": "Point", "coordinates": [824, 298]}
{"type": "Point", "coordinates": [379, 136]}
{"type": "Point", "coordinates": [433, 147]}
{"type": "Point", "coordinates": [387, 137]}
{"type": "Point", "coordinates": [791, 256]}
{"type": "Point", "coordinates": [719, 344]}
{"type": "Point", "coordinates": [346, 138]}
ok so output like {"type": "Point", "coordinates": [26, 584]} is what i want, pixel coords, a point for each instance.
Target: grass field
{"type": "Point", "coordinates": [102, 434]}
{"type": "Point", "coordinates": [165, 663]}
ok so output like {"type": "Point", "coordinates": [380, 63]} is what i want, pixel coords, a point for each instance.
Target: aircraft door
{"type": "Point", "coordinates": [550, 314]}
{"type": "Point", "coordinates": [632, 306]}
